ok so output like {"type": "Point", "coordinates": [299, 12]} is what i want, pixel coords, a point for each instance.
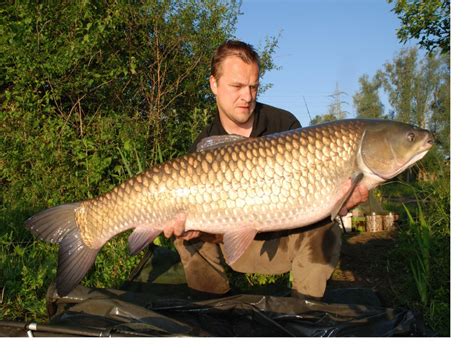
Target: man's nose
{"type": "Point", "coordinates": [246, 93]}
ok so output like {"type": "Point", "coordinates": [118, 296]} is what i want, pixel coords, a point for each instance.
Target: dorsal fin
{"type": "Point", "coordinates": [218, 141]}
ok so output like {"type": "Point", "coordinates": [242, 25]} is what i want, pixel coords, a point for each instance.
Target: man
{"type": "Point", "coordinates": [311, 253]}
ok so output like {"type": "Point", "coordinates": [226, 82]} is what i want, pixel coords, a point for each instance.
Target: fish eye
{"type": "Point", "coordinates": [411, 136]}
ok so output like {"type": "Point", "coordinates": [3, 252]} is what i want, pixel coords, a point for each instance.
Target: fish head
{"type": "Point", "coordinates": [389, 147]}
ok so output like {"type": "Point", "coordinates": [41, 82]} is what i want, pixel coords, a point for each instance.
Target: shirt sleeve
{"type": "Point", "coordinates": [294, 123]}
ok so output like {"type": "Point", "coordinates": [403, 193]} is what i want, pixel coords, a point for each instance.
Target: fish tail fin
{"type": "Point", "coordinates": [58, 225]}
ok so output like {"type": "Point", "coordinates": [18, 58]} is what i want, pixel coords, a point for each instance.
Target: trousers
{"type": "Point", "coordinates": [310, 254]}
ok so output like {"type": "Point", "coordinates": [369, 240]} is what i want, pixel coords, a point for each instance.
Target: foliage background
{"type": "Point", "coordinates": [91, 94]}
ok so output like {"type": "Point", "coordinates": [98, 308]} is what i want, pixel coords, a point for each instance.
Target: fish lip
{"type": "Point", "coordinates": [407, 165]}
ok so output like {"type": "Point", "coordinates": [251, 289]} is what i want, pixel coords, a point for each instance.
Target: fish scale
{"type": "Point", "coordinates": [284, 162]}
{"type": "Point", "coordinates": [275, 182]}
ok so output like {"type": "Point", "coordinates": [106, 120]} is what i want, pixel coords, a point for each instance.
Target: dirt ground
{"type": "Point", "coordinates": [363, 263]}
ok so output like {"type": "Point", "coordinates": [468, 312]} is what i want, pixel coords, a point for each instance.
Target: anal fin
{"type": "Point", "coordinates": [237, 242]}
{"type": "Point", "coordinates": [141, 237]}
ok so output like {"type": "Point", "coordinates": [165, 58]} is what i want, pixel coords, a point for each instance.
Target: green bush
{"type": "Point", "coordinates": [81, 112]}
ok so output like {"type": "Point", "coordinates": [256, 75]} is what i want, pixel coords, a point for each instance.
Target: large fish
{"type": "Point", "coordinates": [236, 187]}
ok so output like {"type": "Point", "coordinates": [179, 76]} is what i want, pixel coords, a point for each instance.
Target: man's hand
{"type": "Point", "coordinates": [178, 232]}
{"type": "Point", "coordinates": [359, 195]}
{"type": "Point", "coordinates": [176, 228]}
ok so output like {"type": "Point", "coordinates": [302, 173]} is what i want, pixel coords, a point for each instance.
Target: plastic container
{"type": "Point", "coordinates": [374, 223]}
{"type": "Point", "coordinates": [388, 221]}
{"type": "Point", "coordinates": [346, 222]}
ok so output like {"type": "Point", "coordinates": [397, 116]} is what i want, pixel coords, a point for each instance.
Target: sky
{"type": "Point", "coordinates": [322, 44]}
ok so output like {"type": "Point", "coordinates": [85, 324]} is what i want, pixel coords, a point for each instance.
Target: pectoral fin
{"type": "Point", "coordinates": [236, 243]}
{"type": "Point", "coordinates": [355, 179]}
{"type": "Point", "coordinates": [141, 237]}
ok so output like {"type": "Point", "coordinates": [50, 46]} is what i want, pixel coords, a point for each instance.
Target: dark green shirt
{"type": "Point", "coordinates": [267, 120]}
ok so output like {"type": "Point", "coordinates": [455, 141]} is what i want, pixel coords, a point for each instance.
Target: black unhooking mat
{"type": "Point", "coordinates": [136, 311]}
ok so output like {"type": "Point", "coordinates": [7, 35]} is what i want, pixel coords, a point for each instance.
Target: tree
{"type": "Point", "coordinates": [92, 92]}
{"type": "Point", "coordinates": [440, 107]}
{"type": "Point", "coordinates": [418, 90]}
{"type": "Point", "coordinates": [427, 82]}
{"type": "Point", "coordinates": [322, 119]}
{"type": "Point", "coordinates": [367, 100]}
{"type": "Point", "coordinates": [427, 21]}
{"type": "Point", "coordinates": [397, 80]}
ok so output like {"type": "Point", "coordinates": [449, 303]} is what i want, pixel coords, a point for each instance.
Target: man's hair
{"type": "Point", "coordinates": [229, 48]}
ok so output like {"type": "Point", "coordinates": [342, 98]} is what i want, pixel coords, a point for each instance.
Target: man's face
{"type": "Point", "coordinates": [236, 90]}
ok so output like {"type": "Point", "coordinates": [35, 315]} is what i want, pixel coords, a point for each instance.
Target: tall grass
{"type": "Point", "coordinates": [418, 235]}
{"type": "Point", "coordinates": [421, 260]}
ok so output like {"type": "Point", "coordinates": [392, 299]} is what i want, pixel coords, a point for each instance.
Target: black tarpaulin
{"type": "Point", "coordinates": [108, 312]}
{"type": "Point", "coordinates": [155, 301]}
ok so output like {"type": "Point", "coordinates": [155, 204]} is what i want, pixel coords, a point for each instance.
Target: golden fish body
{"type": "Point", "coordinates": [275, 182]}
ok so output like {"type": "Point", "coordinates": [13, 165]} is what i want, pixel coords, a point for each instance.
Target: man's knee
{"type": "Point", "coordinates": [323, 244]}
{"type": "Point", "coordinates": [310, 280]}
{"type": "Point", "coordinates": [203, 266]}
{"type": "Point", "coordinates": [316, 257]}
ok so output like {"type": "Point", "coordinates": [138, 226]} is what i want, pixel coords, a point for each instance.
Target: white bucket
{"type": "Point", "coordinates": [347, 222]}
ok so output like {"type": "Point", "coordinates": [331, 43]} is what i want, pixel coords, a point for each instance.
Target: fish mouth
{"type": "Point", "coordinates": [428, 144]}
{"type": "Point", "coordinates": [415, 158]}
{"type": "Point", "coordinates": [408, 164]}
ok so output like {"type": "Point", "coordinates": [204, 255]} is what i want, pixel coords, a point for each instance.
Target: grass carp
{"type": "Point", "coordinates": [236, 187]}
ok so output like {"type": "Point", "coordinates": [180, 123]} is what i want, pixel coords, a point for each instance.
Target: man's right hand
{"type": "Point", "coordinates": [177, 226]}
